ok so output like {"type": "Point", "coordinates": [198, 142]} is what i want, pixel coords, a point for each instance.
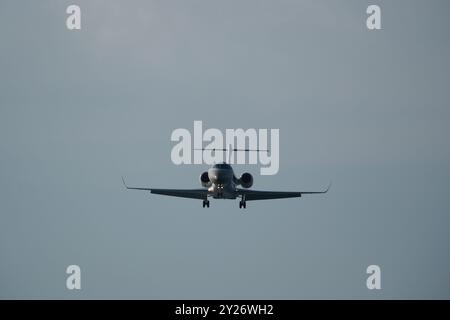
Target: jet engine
{"type": "Point", "coordinates": [246, 180]}
{"type": "Point", "coordinates": [204, 180]}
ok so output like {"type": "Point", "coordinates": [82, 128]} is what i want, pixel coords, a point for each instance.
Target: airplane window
{"type": "Point", "coordinates": [222, 166]}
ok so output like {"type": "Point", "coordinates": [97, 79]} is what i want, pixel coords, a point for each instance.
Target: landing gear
{"type": "Point", "coordinates": [242, 203]}
{"type": "Point", "coordinates": [206, 203]}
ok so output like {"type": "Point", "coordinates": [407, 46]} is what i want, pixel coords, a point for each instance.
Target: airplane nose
{"type": "Point", "coordinates": [224, 176]}
{"type": "Point", "coordinates": [218, 177]}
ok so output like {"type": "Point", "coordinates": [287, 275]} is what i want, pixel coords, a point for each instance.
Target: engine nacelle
{"type": "Point", "coordinates": [204, 180]}
{"type": "Point", "coordinates": [246, 180]}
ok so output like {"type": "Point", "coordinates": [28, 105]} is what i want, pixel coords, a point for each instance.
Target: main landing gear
{"type": "Point", "coordinates": [242, 203]}
{"type": "Point", "coordinates": [205, 203]}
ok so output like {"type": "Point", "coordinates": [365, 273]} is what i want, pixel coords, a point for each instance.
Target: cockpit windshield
{"type": "Point", "coordinates": [222, 166]}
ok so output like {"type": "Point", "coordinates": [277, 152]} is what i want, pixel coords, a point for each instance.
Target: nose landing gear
{"type": "Point", "coordinates": [205, 203]}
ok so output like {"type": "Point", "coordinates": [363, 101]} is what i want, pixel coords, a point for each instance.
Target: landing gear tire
{"type": "Point", "coordinates": [206, 203]}
{"type": "Point", "coordinates": [242, 204]}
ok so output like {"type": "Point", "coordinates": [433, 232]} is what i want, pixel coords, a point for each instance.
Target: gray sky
{"type": "Point", "coordinates": [368, 110]}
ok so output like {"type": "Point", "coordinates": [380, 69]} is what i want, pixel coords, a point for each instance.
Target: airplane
{"type": "Point", "coordinates": [220, 182]}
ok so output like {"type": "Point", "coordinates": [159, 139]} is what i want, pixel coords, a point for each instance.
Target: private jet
{"type": "Point", "coordinates": [220, 182]}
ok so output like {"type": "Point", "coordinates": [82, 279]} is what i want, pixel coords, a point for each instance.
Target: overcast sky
{"type": "Point", "coordinates": [368, 110]}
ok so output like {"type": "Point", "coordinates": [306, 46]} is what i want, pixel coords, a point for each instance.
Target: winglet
{"type": "Point", "coordinates": [328, 188]}
{"type": "Point", "coordinates": [123, 180]}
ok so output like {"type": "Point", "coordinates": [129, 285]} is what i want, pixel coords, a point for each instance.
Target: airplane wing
{"type": "Point", "coordinates": [182, 193]}
{"type": "Point", "coordinates": [249, 195]}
